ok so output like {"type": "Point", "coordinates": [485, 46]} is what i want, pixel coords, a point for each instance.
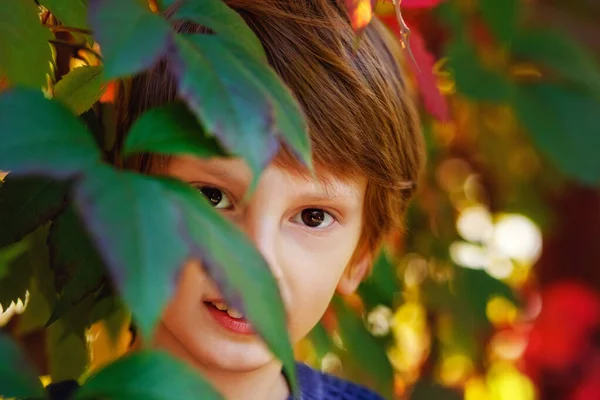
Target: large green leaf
{"type": "Point", "coordinates": [26, 203]}
{"type": "Point", "coordinates": [289, 121]}
{"type": "Point", "coordinates": [502, 17]}
{"type": "Point", "coordinates": [238, 268]}
{"type": "Point", "coordinates": [17, 377]}
{"type": "Point", "coordinates": [147, 375]}
{"type": "Point", "coordinates": [81, 88]}
{"type": "Point", "coordinates": [382, 285]}
{"type": "Point", "coordinates": [132, 38]}
{"type": "Point", "coordinates": [474, 80]}
{"type": "Point", "coordinates": [219, 90]}
{"type": "Point", "coordinates": [72, 13]}
{"type": "Point", "coordinates": [560, 53]}
{"type": "Point", "coordinates": [24, 50]}
{"type": "Point", "coordinates": [170, 129]}
{"type": "Point", "coordinates": [564, 124]}
{"type": "Point", "coordinates": [40, 136]}
{"type": "Point", "coordinates": [134, 225]}
{"type": "Point", "coordinates": [227, 23]}
{"type": "Point", "coordinates": [73, 255]}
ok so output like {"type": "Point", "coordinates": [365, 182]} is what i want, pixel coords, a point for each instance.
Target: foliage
{"type": "Point", "coordinates": [62, 205]}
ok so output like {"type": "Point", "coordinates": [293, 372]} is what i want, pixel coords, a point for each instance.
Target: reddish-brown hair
{"type": "Point", "coordinates": [360, 116]}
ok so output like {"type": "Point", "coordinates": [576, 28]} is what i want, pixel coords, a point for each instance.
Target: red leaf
{"type": "Point", "coordinates": [433, 99]}
{"type": "Point", "coordinates": [360, 13]}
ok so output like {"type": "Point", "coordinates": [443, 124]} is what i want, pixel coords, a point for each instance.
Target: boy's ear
{"type": "Point", "coordinates": [354, 274]}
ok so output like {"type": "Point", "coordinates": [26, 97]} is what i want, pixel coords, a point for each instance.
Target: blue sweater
{"type": "Point", "coordinates": [314, 385]}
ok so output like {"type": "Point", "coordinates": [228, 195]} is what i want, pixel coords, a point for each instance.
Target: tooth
{"type": "Point", "coordinates": [233, 313]}
{"type": "Point", "coordinates": [221, 306]}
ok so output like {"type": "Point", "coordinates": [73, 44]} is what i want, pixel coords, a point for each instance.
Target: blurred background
{"type": "Point", "coordinates": [491, 290]}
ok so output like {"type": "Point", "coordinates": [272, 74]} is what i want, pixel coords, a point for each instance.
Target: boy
{"type": "Point", "coordinates": [318, 236]}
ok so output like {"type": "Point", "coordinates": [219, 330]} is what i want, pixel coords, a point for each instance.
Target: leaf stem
{"type": "Point", "coordinates": [78, 46]}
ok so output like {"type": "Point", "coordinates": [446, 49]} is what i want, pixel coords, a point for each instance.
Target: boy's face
{"type": "Point", "coordinates": [306, 230]}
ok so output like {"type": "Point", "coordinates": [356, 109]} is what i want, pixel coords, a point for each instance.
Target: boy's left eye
{"type": "Point", "coordinates": [216, 197]}
{"type": "Point", "coordinates": [314, 218]}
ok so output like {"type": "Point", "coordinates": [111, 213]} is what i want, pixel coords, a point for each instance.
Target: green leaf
{"type": "Point", "coordinates": [147, 375]}
{"type": "Point", "coordinates": [564, 124]}
{"type": "Point", "coordinates": [238, 98]}
{"type": "Point", "coordinates": [132, 38]}
{"type": "Point", "coordinates": [364, 348]}
{"type": "Point", "coordinates": [289, 122]}
{"type": "Point", "coordinates": [170, 129]}
{"type": "Point", "coordinates": [72, 13]}
{"type": "Point", "coordinates": [381, 286]}
{"type": "Point", "coordinates": [39, 136]}
{"type": "Point", "coordinates": [81, 88]}
{"type": "Point", "coordinates": [26, 203]}
{"type": "Point", "coordinates": [66, 345]}
{"type": "Point", "coordinates": [237, 267]}
{"type": "Point", "coordinates": [72, 253]}
{"type": "Point", "coordinates": [230, 104]}
{"type": "Point", "coordinates": [15, 272]}
{"type": "Point", "coordinates": [17, 376]}
{"type": "Point", "coordinates": [134, 225]}
{"type": "Point", "coordinates": [227, 23]}
{"type": "Point", "coordinates": [24, 50]}
{"type": "Point", "coordinates": [473, 80]}
{"type": "Point", "coordinates": [561, 53]}
{"type": "Point", "coordinates": [502, 17]}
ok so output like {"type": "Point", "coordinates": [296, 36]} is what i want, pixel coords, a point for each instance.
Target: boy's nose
{"type": "Point", "coordinates": [264, 233]}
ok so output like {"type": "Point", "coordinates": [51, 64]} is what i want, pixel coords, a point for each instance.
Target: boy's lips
{"type": "Point", "coordinates": [228, 317]}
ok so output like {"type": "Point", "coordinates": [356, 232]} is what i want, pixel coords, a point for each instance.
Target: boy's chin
{"type": "Point", "coordinates": [212, 351]}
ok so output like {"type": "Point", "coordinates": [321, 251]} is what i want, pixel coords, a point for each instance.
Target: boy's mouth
{"type": "Point", "coordinates": [229, 317]}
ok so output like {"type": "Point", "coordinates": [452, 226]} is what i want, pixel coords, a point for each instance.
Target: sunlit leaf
{"type": "Point", "coordinates": [24, 49]}
{"type": "Point", "coordinates": [227, 23]}
{"type": "Point", "coordinates": [147, 376]}
{"type": "Point", "coordinates": [559, 52]}
{"type": "Point", "coordinates": [26, 203]}
{"type": "Point", "coordinates": [131, 37]}
{"type": "Point", "coordinates": [564, 124]}
{"type": "Point", "coordinates": [237, 267]}
{"type": "Point", "coordinates": [360, 13]}
{"type": "Point", "coordinates": [132, 224]}
{"type": "Point", "coordinates": [81, 88]}
{"type": "Point", "coordinates": [170, 129]}
{"type": "Point", "coordinates": [54, 143]}
{"type": "Point", "coordinates": [68, 354]}
{"type": "Point", "coordinates": [17, 376]}
{"type": "Point", "coordinates": [502, 17]}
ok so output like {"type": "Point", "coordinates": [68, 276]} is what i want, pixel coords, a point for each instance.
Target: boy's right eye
{"type": "Point", "coordinates": [216, 197]}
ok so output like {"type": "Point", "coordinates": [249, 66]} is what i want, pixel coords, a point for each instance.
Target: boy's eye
{"type": "Point", "coordinates": [216, 197]}
{"type": "Point", "coordinates": [314, 218]}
